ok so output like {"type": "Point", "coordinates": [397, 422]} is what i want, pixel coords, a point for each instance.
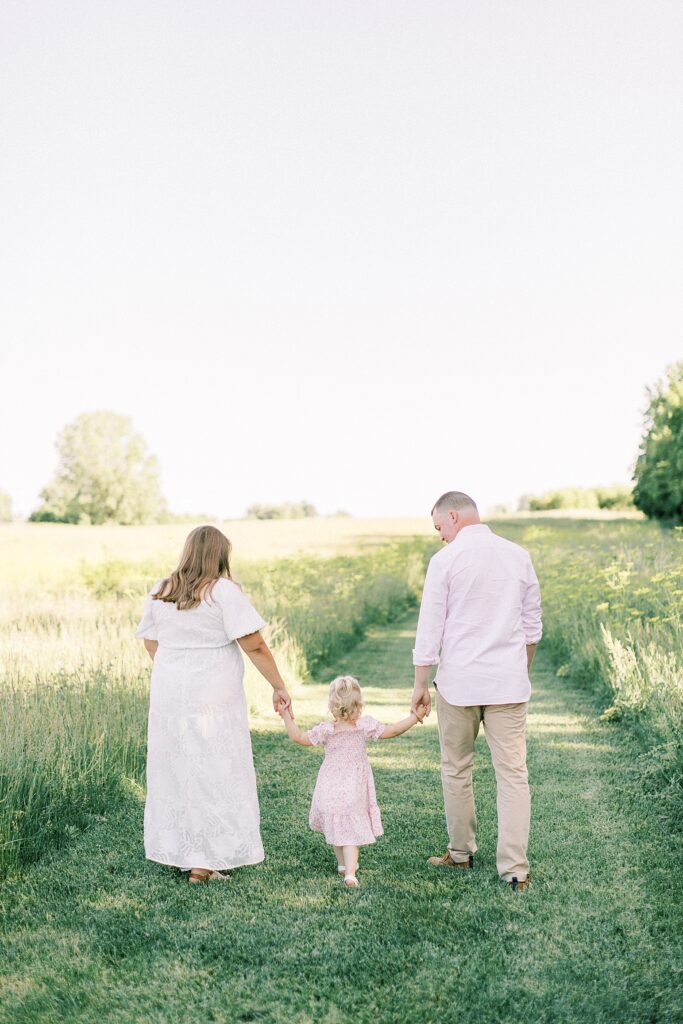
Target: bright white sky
{"type": "Point", "coordinates": [354, 251]}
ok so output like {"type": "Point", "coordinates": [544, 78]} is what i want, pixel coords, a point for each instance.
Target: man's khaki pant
{"type": "Point", "coordinates": [504, 728]}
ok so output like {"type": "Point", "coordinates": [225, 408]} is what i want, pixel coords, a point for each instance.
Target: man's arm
{"type": "Point", "coordinates": [429, 634]}
{"type": "Point", "coordinates": [421, 697]}
{"type": "Point", "coordinates": [531, 615]}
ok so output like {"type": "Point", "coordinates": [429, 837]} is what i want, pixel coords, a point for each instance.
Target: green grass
{"type": "Point", "coordinates": [73, 699]}
{"type": "Point", "coordinates": [94, 933]}
{"type": "Point", "coordinates": [613, 624]}
{"type": "Point", "coordinates": [53, 552]}
{"type": "Point", "coordinates": [74, 684]}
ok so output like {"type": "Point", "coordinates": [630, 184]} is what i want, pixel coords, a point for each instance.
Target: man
{"type": "Point", "coordinates": [480, 622]}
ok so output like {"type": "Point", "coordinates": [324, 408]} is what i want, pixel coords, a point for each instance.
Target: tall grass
{"type": "Point", "coordinates": [73, 702]}
{"type": "Point", "coordinates": [613, 613]}
{"type": "Point", "coordinates": [73, 699]}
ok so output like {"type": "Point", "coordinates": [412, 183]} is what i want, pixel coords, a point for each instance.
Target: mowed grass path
{"type": "Point", "coordinates": [95, 933]}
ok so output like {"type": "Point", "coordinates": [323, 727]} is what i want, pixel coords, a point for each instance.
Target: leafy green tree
{"type": "Point", "coordinates": [105, 474]}
{"type": "Point", "coordinates": [658, 490]}
{"type": "Point", "coordinates": [5, 507]}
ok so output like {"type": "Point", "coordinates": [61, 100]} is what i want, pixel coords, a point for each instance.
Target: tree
{"type": "Point", "coordinates": [658, 474]}
{"type": "Point", "coordinates": [105, 474]}
{"type": "Point", "coordinates": [5, 507]}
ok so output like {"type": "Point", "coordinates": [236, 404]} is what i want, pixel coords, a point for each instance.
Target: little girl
{"type": "Point", "coordinates": [344, 806]}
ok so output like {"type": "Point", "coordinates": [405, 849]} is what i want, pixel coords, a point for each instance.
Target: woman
{"type": "Point", "coordinates": [202, 811]}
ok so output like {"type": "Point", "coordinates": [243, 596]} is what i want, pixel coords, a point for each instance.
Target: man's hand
{"type": "Point", "coordinates": [282, 701]}
{"type": "Point", "coordinates": [421, 696]}
{"type": "Point", "coordinates": [421, 702]}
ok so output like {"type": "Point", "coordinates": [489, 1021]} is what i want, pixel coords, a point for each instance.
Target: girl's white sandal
{"type": "Point", "coordinates": [341, 869]}
{"type": "Point", "coordinates": [351, 882]}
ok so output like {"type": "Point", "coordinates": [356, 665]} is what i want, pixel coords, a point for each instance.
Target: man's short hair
{"type": "Point", "coordinates": [456, 500]}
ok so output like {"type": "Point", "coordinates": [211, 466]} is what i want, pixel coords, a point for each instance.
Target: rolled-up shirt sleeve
{"type": "Point", "coordinates": [531, 608]}
{"type": "Point", "coordinates": [430, 625]}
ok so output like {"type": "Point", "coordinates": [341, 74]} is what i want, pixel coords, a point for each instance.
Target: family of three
{"type": "Point", "coordinates": [479, 623]}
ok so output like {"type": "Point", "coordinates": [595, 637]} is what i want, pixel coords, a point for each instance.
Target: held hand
{"type": "Point", "coordinates": [282, 701]}
{"type": "Point", "coordinates": [421, 702]}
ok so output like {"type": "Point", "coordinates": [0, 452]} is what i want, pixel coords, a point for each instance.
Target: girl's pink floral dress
{"type": "Point", "coordinates": [344, 806]}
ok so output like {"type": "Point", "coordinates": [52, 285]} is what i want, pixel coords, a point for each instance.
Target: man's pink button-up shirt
{"type": "Point", "coordinates": [481, 606]}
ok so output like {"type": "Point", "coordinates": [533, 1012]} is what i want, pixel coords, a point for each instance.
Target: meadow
{"type": "Point", "coordinates": [74, 682]}
{"type": "Point", "coordinates": [340, 595]}
{"type": "Point", "coordinates": [93, 933]}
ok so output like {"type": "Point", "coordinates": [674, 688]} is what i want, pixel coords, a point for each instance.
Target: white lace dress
{"type": "Point", "coordinates": [202, 806]}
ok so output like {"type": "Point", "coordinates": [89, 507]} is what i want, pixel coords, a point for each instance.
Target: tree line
{"type": "Point", "coordinates": [105, 473]}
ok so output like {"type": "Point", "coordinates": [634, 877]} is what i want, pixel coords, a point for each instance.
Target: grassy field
{"type": "Point", "coordinates": [94, 933]}
{"type": "Point", "coordinates": [613, 624]}
{"type": "Point", "coordinates": [607, 743]}
{"type": "Point", "coordinates": [74, 683]}
{"type": "Point", "coordinates": [37, 552]}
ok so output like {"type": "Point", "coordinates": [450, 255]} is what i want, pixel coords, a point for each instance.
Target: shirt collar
{"type": "Point", "coordinates": [469, 532]}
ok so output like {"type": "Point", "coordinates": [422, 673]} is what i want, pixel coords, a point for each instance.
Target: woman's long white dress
{"type": "Point", "coordinates": [202, 806]}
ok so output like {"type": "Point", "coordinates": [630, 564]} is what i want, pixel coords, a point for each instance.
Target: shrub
{"type": "Point", "coordinates": [616, 497]}
{"type": "Point", "coordinates": [290, 510]}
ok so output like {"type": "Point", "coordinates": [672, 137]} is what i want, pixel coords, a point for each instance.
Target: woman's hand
{"type": "Point", "coordinates": [420, 712]}
{"type": "Point", "coordinates": [282, 701]}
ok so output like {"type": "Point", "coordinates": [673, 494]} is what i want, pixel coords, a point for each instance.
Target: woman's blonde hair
{"type": "Point", "coordinates": [205, 559]}
{"type": "Point", "coordinates": [346, 699]}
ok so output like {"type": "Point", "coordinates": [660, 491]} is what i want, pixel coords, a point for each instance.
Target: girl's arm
{"type": "Point", "coordinates": [258, 651]}
{"type": "Point", "coordinates": [406, 723]}
{"type": "Point", "coordinates": [293, 730]}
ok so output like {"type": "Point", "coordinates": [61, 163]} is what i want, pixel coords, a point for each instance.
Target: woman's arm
{"type": "Point", "coordinates": [406, 723]}
{"type": "Point", "coordinates": [293, 730]}
{"type": "Point", "coordinates": [151, 647]}
{"type": "Point", "coordinates": [258, 651]}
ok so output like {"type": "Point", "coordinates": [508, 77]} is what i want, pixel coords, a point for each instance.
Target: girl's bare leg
{"type": "Point", "coordinates": [350, 860]}
{"type": "Point", "coordinates": [339, 854]}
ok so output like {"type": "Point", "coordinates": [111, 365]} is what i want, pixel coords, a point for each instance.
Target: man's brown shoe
{"type": "Point", "coordinates": [446, 861]}
{"type": "Point", "coordinates": [518, 886]}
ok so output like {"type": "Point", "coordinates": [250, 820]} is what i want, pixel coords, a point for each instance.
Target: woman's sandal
{"type": "Point", "coordinates": [351, 882]}
{"type": "Point", "coordinates": [198, 875]}
{"type": "Point", "coordinates": [341, 869]}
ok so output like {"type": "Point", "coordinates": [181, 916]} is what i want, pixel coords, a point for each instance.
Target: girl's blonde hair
{"type": "Point", "coordinates": [346, 699]}
{"type": "Point", "coordinates": [205, 559]}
